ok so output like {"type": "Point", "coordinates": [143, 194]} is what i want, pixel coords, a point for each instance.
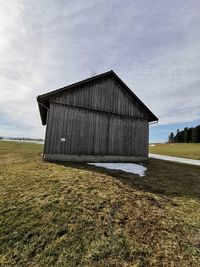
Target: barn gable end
{"type": "Point", "coordinates": [105, 92]}
{"type": "Point", "coordinates": [105, 95]}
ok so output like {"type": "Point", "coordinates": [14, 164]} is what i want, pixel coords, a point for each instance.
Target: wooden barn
{"type": "Point", "coordinates": [95, 120]}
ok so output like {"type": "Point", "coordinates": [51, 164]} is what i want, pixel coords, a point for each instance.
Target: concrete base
{"type": "Point", "coordinates": [92, 158]}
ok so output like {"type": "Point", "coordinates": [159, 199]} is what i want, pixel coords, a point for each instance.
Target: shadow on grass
{"type": "Point", "coordinates": [162, 177]}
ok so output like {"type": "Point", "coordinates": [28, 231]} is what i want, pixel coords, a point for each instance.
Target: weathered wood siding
{"type": "Point", "coordinates": [105, 94]}
{"type": "Point", "coordinates": [99, 118]}
{"type": "Point", "coordinates": [89, 132]}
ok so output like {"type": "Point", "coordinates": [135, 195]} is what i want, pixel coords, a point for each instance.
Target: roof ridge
{"type": "Point", "coordinates": [76, 83]}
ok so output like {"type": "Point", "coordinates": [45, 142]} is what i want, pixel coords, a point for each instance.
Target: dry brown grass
{"type": "Point", "coordinates": [80, 215]}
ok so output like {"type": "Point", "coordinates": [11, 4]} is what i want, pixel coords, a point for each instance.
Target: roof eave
{"type": "Point", "coordinates": [43, 111]}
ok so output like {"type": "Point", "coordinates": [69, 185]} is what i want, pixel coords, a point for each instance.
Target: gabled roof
{"type": "Point", "coordinates": [43, 100]}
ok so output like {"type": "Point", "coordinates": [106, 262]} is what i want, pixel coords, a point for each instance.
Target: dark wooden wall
{"type": "Point", "coordinates": [97, 119]}
{"type": "Point", "coordinates": [105, 94]}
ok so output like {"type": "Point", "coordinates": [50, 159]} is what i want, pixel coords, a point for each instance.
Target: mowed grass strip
{"type": "Point", "coordinates": [183, 150]}
{"type": "Point", "coordinates": [79, 215]}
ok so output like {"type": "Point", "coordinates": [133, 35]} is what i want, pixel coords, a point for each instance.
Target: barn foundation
{"type": "Point", "coordinates": [92, 158]}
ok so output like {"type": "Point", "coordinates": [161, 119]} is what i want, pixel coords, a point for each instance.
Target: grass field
{"type": "Point", "coordinates": [183, 150]}
{"type": "Point", "coordinates": [79, 215]}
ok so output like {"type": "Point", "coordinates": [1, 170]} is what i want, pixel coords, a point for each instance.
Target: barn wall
{"type": "Point", "coordinates": [89, 132]}
{"type": "Point", "coordinates": [105, 94]}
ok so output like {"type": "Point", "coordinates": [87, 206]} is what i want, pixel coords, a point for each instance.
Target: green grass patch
{"type": "Point", "coordinates": [80, 215]}
{"type": "Point", "coordinates": [184, 150]}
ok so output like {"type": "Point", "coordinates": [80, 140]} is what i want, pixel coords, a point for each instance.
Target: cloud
{"type": "Point", "coordinates": [152, 45]}
{"type": "Point", "coordinates": [167, 76]}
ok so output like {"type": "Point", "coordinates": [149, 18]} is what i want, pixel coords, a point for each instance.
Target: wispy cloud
{"type": "Point", "coordinates": [152, 45]}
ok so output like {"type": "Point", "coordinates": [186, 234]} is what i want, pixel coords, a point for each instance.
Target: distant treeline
{"type": "Point", "coordinates": [20, 138]}
{"type": "Point", "coordinates": [188, 135]}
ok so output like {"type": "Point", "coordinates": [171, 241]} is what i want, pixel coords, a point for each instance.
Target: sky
{"type": "Point", "coordinates": [152, 45]}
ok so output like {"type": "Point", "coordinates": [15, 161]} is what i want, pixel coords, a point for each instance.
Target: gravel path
{"type": "Point", "coordinates": [175, 159]}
